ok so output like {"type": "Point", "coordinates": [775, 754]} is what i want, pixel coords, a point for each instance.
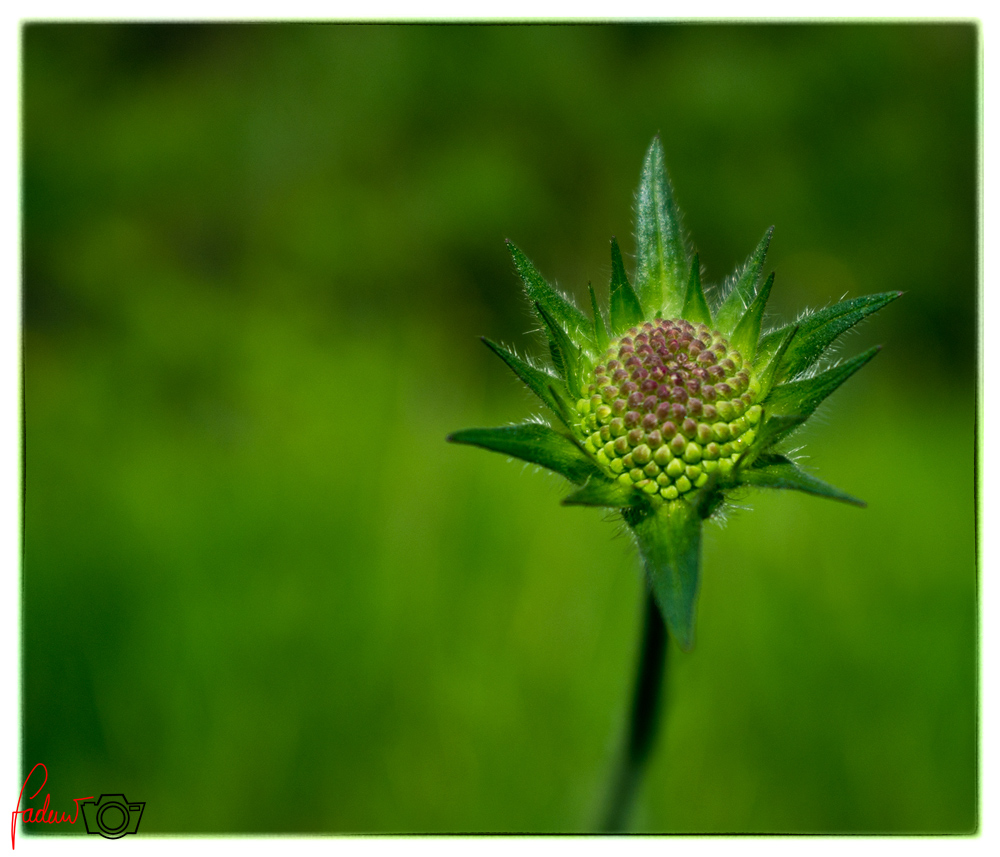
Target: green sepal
{"type": "Point", "coordinates": [777, 471]}
{"type": "Point", "coordinates": [747, 332]}
{"type": "Point", "coordinates": [541, 293]}
{"type": "Point", "coordinates": [772, 430]}
{"type": "Point", "coordinates": [770, 371]}
{"type": "Point", "coordinates": [670, 546]}
{"type": "Point", "coordinates": [605, 492]}
{"type": "Point", "coordinates": [565, 354]}
{"type": "Point", "coordinates": [541, 383]}
{"type": "Point", "coordinates": [661, 256]}
{"type": "Point", "coordinates": [695, 306]}
{"type": "Point", "coordinates": [537, 444]}
{"type": "Point", "coordinates": [601, 334]}
{"type": "Point", "coordinates": [819, 330]}
{"type": "Point", "coordinates": [742, 293]}
{"type": "Point", "coordinates": [626, 309]}
{"type": "Point", "coordinates": [803, 397]}
{"type": "Point", "coordinates": [563, 407]}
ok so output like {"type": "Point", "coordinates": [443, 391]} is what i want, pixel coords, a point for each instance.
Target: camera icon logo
{"type": "Point", "coordinates": [112, 816]}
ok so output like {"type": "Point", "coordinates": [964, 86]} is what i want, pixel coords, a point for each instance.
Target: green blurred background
{"type": "Point", "coordinates": [262, 594]}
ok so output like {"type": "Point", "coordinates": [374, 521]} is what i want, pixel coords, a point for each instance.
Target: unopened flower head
{"type": "Point", "coordinates": [667, 403]}
{"type": "Point", "coordinates": [670, 404]}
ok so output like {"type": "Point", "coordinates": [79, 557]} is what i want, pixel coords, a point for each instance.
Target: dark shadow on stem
{"type": "Point", "coordinates": [644, 719]}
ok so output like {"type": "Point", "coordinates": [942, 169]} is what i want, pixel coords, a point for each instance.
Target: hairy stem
{"type": "Point", "coordinates": [643, 720]}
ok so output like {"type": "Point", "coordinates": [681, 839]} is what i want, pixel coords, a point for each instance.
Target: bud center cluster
{"type": "Point", "coordinates": [669, 404]}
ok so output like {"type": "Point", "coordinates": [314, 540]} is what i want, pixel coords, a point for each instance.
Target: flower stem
{"type": "Point", "coordinates": [643, 720]}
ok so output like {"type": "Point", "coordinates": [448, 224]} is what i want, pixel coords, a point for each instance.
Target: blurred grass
{"type": "Point", "coordinates": [257, 261]}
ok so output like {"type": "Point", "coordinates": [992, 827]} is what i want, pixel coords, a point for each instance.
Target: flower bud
{"type": "Point", "coordinates": [672, 404]}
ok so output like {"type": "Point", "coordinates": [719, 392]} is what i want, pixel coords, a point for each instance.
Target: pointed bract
{"type": "Point", "coordinates": [695, 306]}
{"type": "Point", "coordinates": [626, 309]}
{"type": "Point", "coordinates": [565, 355]}
{"type": "Point", "coordinates": [744, 288]}
{"type": "Point", "coordinates": [803, 397]}
{"type": "Point", "coordinates": [536, 443]}
{"type": "Point", "coordinates": [770, 371]}
{"type": "Point", "coordinates": [670, 546]}
{"type": "Point", "coordinates": [540, 292]}
{"type": "Point", "coordinates": [555, 391]}
{"type": "Point", "coordinates": [537, 380]}
{"type": "Point", "coordinates": [817, 331]}
{"type": "Point", "coordinates": [602, 336]}
{"type": "Point", "coordinates": [777, 471]}
{"type": "Point", "coordinates": [661, 257]}
{"type": "Point", "coordinates": [747, 332]}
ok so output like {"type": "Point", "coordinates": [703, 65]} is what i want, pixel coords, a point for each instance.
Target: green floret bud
{"type": "Point", "coordinates": [692, 453]}
{"type": "Point", "coordinates": [672, 399]}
